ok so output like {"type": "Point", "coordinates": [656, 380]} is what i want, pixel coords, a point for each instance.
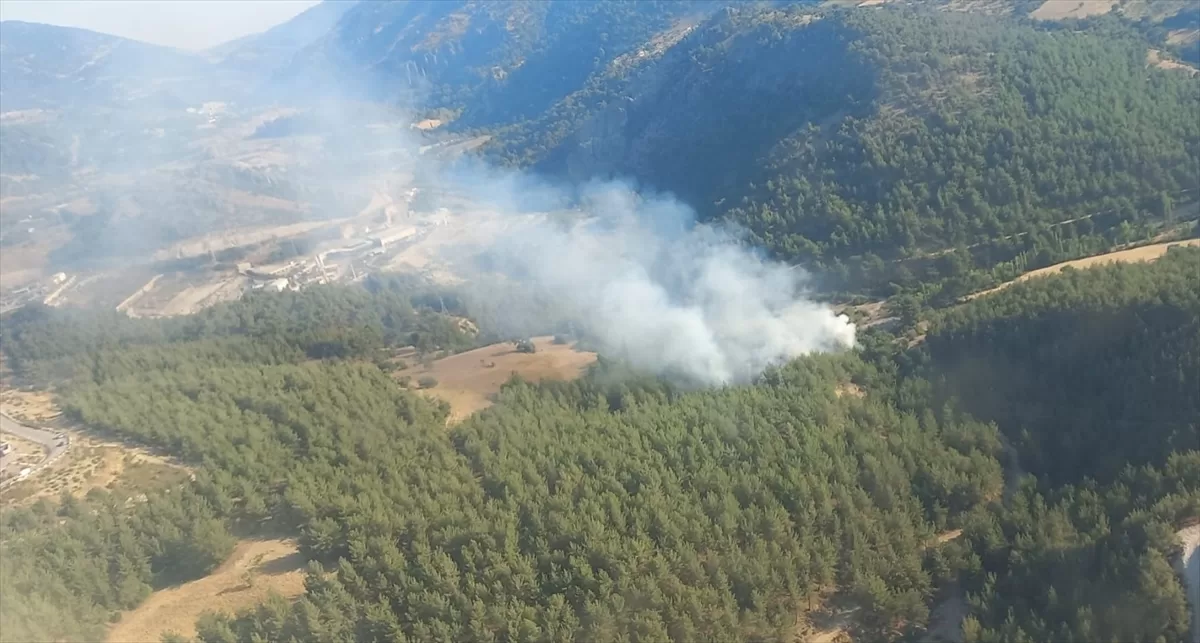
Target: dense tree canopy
{"type": "Point", "coordinates": [619, 507]}
{"type": "Point", "coordinates": [1031, 451]}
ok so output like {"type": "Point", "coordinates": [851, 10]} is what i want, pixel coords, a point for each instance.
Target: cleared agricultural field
{"type": "Point", "coordinates": [254, 570]}
{"type": "Point", "coordinates": [468, 381]}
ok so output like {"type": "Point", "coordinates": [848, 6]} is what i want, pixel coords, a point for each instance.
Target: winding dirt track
{"type": "Point", "coordinates": [1133, 255]}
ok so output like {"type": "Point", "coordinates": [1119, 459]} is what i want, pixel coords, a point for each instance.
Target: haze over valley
{"type": "Point", "coordinates": [599, 321]}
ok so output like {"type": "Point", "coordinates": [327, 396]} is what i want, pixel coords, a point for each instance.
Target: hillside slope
{"type": "Point", "coordinates": [492, 61]}
{"type": "Point", "coordinates": [841, 138]}
{"type": "Point", "coordinates": [47, 66]}
{"type": "Point", "coordinates": [274, 47]}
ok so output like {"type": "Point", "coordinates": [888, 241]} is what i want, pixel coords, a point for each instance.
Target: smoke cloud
{"type": "Point", "coordinates": [631, 271]}
{"type": "Point", "coordinates": [638, 277]}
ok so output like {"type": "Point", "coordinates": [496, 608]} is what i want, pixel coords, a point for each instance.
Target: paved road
{"type": "Point", "coordinates": [44, 437]}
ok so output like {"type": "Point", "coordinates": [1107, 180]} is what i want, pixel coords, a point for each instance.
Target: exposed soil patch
{"type": "Point", "coordinates": [20, 454]}
{"type": "Point", "coordinates": [1154, 58]}
{"type": "Point", "coordinates": [1063, 9]}
{"type": "Point", "coordinates": [468, 381]}
{"type": "Point", "coordinates": [849, 389]}
{"type": "Point", "coordinates": [1183, 37]}
{"type": "Point", "coordinates": [947, 536]}
{"type": "Point", "coordinates": [90, 463]}
{"type": "Point", "coordinates": [35, 407]}
{"type": "Point", "coordinates": [254, 570]}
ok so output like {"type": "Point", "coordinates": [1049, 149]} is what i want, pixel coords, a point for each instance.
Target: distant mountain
{"type": "Point", "coordinates": [45, 66]}
{"type": "Point", "coordinates": [843, 137]}
{"type": "Point", "coordinates": [495, 62]}
{"type": "Point", "coordinates": [275, 46]}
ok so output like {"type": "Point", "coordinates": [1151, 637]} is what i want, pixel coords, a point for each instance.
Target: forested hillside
{"type": "Point", "coordinates": [847, 139]}
{"type": "Point", "coordinates": [620, 507]}
{"type": "Point", "coordinates": [1087, 373]}
{"type": "Point", "coordinates": [1094, 377]}
{"type": "Point", "coordinates": [1028, 454]}
{"type": "Point", "coordinates": [488, 62]}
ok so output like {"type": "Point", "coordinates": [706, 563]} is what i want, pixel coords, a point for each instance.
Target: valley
{"type": "Point", "coordinates": [445, 320]}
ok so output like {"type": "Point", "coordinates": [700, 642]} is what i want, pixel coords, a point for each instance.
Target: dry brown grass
{"type": "Point", "coordinates": [1063, 9]}
{"type": "Point", "coordinates": [1133, 255]}
{"type": "Point", "coordinates": [849, 388]}
{"type": "Point", "coordinates": [254, 570]}
{"type": "Point", "coordinates": [24, 454]}
{"type": "Point", "coordinates": [237, 237]}
{"type": "Point", "coordinates": [89, 463]}
{"type": "Point", "coordinates": [947, 536]}
{"type": "Point", "coordinates": [468, 381]}
{"type": "Point", "coordinates": [34, 407]}
{"type": "Point", "coordinates": [126, 472]}
{"type": "Point", "coordinates": [1154, 58]}
{"type": "Point", "coordinates": [1183, 37]}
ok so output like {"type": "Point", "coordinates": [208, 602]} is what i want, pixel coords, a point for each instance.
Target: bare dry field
{"type": "Point", "coordinates": [34, 407]}
{"type": "Point", "coordinates": [233, 238]}
{"type": "Point", "coordinates": [254, 570]}
{"type": "Point", "coordinates": [1063, 9]}
{"type": "Point", "coordinates": [191, 299]}
{"type": "Point", "coordinates": [24, 263]}
{"type": "Point", "coordinates": [1133, 255]}
{"type": "Point", "coordinates": [1183, 36]}
{"type": "Point", "coordinates": [90, 464]}
{"type": "Point", "coordinates": [1154, 58]}
{"type": "Point", "coordinates": [24, 454]}
{"type": "Point", "coordinates": [849, 389]}
{"type": "Point", "coordinates": [468, 381]}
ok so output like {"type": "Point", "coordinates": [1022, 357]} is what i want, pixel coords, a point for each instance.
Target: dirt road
{"type": "Point", "coordinates": [1140, 254]}
{"type": "Point", "coordinates": [55, 447]}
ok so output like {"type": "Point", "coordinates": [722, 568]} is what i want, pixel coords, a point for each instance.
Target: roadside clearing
{"type": "Point", "coordinates": [1133, 255]}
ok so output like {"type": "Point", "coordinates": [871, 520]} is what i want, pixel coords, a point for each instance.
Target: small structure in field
{"type": "Point", "coordinates": [525, 346]}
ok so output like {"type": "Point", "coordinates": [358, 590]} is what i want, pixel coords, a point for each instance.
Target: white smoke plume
{"type": "Point", "coordinates": [640, 279]}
